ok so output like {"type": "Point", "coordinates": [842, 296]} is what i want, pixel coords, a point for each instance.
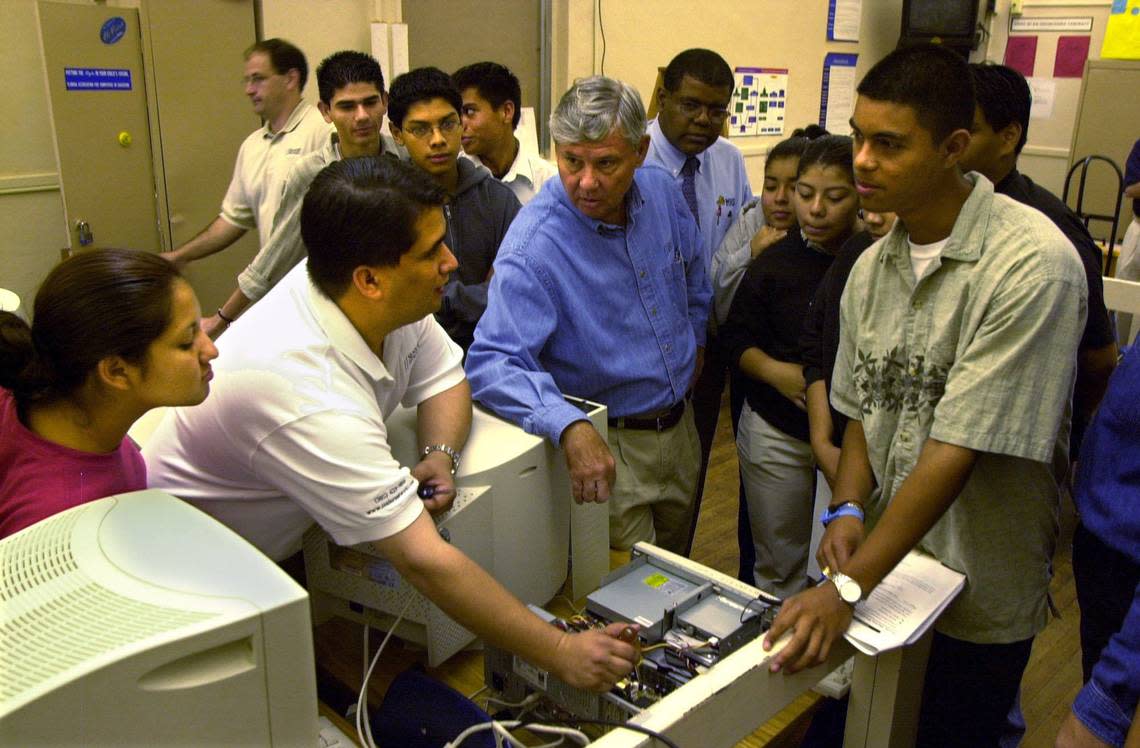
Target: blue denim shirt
{"type": "Point", "coordinates": [614, 314]}
{"type": "Point", "coordinates": [1108, 498]}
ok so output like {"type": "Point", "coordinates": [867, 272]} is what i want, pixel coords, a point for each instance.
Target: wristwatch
{"type": "Point", "coordinates": [849, 590]}
{"type": "Point", "coordinates": [842, 509]}
{"type": "Point", "coordinates": [447, 451]}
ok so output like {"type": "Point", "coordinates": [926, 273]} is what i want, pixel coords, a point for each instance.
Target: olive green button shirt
{"type": "Point", "coordinates": [979, 353]}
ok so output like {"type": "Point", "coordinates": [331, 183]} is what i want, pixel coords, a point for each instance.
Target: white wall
{"type": "Point", "coordinates": [640, 37]}
{"type": "Point", "coordinates": [319, 28]}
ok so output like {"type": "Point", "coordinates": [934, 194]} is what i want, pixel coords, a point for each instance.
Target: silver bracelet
{"type": "Point", "coordinates": [451, 453]}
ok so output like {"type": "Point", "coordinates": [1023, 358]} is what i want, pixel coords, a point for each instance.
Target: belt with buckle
{"type": "Point", "coordinates": [660, 422]}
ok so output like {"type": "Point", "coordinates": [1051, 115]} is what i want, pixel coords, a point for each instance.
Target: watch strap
{"type": "Point", "coordinates": [451, 453]}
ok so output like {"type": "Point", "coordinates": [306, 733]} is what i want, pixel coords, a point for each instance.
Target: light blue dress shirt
{"type": "Point", "coordinates": [721, 182]}
{"type": "Point", "coordinates": [609, 313]}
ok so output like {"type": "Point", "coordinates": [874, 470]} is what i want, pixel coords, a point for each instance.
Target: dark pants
{"type": "Point", "coordinates": [968, 691]}
{"type": "Point", "coordinates": [1106, 581]}
{"type": "Point", "coordinates": [706, 411]}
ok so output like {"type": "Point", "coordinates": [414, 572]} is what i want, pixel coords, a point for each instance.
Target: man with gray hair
{"type": "Point", "coordinates": [600, 290]}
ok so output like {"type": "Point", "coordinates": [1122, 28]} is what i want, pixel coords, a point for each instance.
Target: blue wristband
{"type": "Point", "coordinates": [846, 509]}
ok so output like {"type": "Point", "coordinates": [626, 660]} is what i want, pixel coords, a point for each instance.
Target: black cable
{"type": "Point", "coordinates": [608, 723]}
{"type": "Point", "coordinates": [602, 28]}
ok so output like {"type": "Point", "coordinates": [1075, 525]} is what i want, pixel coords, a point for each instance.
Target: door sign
{"type": "Point", "coordinates": [97, 79]}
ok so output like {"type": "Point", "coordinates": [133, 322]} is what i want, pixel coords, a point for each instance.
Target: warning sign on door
{"type": "Point", "coordinates": [97, 79]}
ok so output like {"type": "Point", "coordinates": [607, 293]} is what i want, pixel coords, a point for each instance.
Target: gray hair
{"type": "Point", "coordinates": [594, 107]}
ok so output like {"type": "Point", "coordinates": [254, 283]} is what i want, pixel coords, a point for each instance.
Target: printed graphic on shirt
{"type": "Point", "coordinates": [893, 382]}
{"type": "Point", "coordinates": [391, 493]}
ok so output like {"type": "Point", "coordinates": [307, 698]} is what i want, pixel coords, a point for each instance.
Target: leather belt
{"type": "Point", "coordinates": [660, 422]}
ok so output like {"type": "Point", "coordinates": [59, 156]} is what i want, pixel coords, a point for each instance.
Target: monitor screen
{"type": "Point", "coordinates": [943, 18]}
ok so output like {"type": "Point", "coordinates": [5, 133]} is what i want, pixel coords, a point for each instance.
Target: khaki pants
{"type": "Point", "coordinates": [652, 499]}
{"type": "Point", "coordinates": [779, 483]}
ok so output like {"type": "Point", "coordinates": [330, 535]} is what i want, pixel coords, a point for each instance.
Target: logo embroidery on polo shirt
{"type": "Point", "coordinates": [411, 357]}
{"type": "Point", "coordinates": [897, 383]}
{"type": "Point", "coordinates": [293, 151]}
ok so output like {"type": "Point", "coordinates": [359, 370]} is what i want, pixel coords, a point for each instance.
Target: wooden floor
{"type": "Point", "coordinates": [1054, 673]}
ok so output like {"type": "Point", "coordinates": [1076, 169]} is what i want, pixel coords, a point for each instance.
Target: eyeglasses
{"type": "Point", "coordinates": [692, 109]}
{"type": "Point", "coordinates": [256, 79]}
{"type": "Point", "coordinates": [421, 130]}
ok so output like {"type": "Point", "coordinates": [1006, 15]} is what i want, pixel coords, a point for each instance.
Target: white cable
{"type": "Point", "coordinates": [364, 659]}
{"type": "Point", "coordinates": [500, 730]}
{"type": "Point", "coordinates": [363, 726]}
{"type": "Point", "coordinates": [513, 705]}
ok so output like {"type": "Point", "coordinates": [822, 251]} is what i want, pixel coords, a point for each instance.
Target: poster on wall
{"type": "Point", "coordinates": [837, 96]}
{"type": "Point", "coordinates": [759, 102]}
{"type": "Point", "coordinates": [1122, 34]}
{"type": "Point", "coordinates": [844, 19]}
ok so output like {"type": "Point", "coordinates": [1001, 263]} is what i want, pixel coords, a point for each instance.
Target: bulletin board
{"type": "Point", "coordinates": [1107, 124]}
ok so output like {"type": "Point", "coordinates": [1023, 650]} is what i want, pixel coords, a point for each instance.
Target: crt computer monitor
{"type": "Point", "coordinates": [139, 620]}
{"type": "Point", "coordinates": [513, 516]}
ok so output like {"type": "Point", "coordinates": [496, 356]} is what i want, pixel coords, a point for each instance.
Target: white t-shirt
{"type": "Point", "coordinates": [263, 161]}
{"type": "Point", "coordinates": [527, 174]}
{"type": "Point", "coordinates": [294, 428]}
{"type": "Point", "coordinates": [921, 255]}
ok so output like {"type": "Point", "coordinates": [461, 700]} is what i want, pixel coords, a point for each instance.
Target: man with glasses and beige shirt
{"type": "Point", "coordinates": [424, 117]}
{"type": "Point", "coordinates": [274, 77]}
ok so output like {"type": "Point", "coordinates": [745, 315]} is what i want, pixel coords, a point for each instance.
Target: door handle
{"type": "Point", "coordinates": [85, 235]}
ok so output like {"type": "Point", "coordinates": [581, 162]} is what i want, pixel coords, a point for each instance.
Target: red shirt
{"type": "Point", "coordinates": [39, 478]}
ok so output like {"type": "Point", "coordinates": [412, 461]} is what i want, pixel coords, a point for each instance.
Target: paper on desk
{"type": "Point", "coordinates": [904, 605]}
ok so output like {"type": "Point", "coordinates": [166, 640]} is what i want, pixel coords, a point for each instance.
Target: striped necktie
{"type": "Point", "coordinates": [689, 186]}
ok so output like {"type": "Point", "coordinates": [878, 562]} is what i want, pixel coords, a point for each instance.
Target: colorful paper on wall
{"type": "Point", "coordinates": [1122, 34]}
{"type": "Point", "coordinates": [1021, 54]}
{"type": "Point", "coordinates": [1072, 51]}
{"type": "Point", "coordinates": [759, 102]}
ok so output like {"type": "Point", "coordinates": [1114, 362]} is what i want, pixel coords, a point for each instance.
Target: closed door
{"type": "Point", "coordinates": [94, 72]}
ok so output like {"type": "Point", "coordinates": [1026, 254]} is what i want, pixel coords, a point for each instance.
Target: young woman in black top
{"type": "Point", "coordinates": [762, 333]}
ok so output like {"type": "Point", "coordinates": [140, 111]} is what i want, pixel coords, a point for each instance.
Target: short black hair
{"type": "Point", "coordinates": [362, 211]}
{"type": "Point", "coordinates": [932, 80]}
{"type": "Point", "coordinates": [283, 56]}
{"type": "Point", "coordinates": [421, 84]}
{"type": "Point", "coordinates": [1003, 95]}
{"type": "Point", "coordinates": [703, 64]}
{"type": "Point", "coordinates": [343, 68]}
{"type": "Point", "coordinates": [494, 82]}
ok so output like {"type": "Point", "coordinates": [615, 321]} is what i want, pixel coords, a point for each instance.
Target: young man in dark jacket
{"type": "Point", "coordinates": [423, 110]}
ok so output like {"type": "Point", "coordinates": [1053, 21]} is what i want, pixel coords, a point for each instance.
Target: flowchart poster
{"type": "Point", "coordinates": [759, 102]}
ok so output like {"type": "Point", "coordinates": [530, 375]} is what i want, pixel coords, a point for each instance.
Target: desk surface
{"type": "Point", "coordinates": [339, 650]}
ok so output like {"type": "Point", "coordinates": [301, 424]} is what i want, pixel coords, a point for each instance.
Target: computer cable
{"type": "Point", "coordinates": [363, 727]}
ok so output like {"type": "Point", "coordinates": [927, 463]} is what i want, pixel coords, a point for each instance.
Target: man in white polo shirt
{"type": "Point", "coordinates": [295, 428]}
{"type": "Point", "coordinates": [492, 108]}
{"type": "Point", "coordinates": [275, 75]}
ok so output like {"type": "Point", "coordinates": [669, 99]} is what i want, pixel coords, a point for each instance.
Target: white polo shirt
{"type": "Point", "coordinates": [263, 161]}
{"type": "Point", "coordinates": [294, 428]}
{"type": "Point", "coordinates": [527, 174]}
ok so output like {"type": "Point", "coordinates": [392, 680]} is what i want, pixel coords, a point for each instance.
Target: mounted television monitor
{"type": "Point", "coordinates": [952, 23]}
{"type": "Point", "coordinates": [139, 620]}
